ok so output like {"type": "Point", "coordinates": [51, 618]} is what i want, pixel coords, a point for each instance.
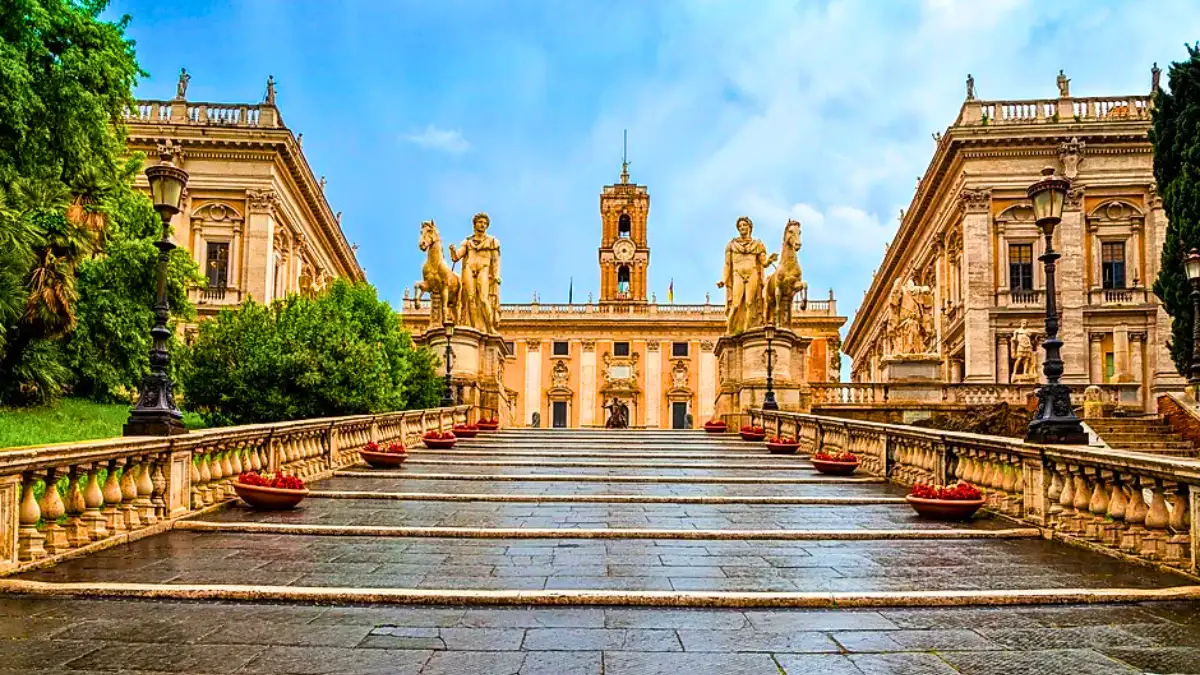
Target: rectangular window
{"type": "Point", "coordinates": [510, 347]}
{"type": "Point", "coordinates": [620, 349]}
{"type": "Point", "coordinates": [562, 348]}
{"type": "Point", "coordinates": [1110, 369]}
{"type": "Point", "coordinates": [1020, 267]}
{"type": "Point", "coordinates": [679, 349]}
{"type": "Point", "coordinates": [1112, 262]}
{"type": "Point", "coordinates": [216, 267]}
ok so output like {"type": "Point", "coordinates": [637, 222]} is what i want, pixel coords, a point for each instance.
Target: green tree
{"type": "Point", "coordinates": [1175, 135]}
{"type": "Point", "coordinates": [341, 352]}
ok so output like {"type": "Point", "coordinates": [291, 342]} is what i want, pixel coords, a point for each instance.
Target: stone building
{"type": "Point", "coordinates": [255, 218]}
{"type": "Point", "coordinates": [969, 237]}
{"type": "Point", "coordinates": [565, 362]}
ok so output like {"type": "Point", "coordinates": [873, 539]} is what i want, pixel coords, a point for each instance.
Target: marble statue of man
{"type": "Point", "coordinates": [479, 293]}
{"type": "Point", "coordinates": [745, 260]}
{"type": "Point", "coordinates": [1021, 343]}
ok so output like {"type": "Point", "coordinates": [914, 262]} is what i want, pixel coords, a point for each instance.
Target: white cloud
{"type": "Point", "coordinates": [445, 140]}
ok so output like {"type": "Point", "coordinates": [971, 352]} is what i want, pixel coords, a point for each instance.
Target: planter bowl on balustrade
{"type": "Point", "coordinates": [945, 509]}
{"type": "Point", "coordinates": [383, 460]}
{"type": "Point", "coordinates": [485, 425]}
{"type": "Point", "coordinates": [466, 431]}
{"type": "Point", "coordinates": [783, 448]}
{"type": "Point", "coordinates": [716, 427]}
{"type": "Point", "coordinates": [269, 498]}
{"type": "Point", "coordinates": [835, 468]}
{"type": "Point", "coordinates": [439, 443]}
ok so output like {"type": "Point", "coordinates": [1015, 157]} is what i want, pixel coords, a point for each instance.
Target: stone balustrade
{"type": "Point", "coordinates": [1127, 504]}
{"type": "Point", "coordinates": [73, 497]}
{"type": "Point", "coordinates": [853, 394]}
{"type": "Point", "coordinates": [1061, 110]}
{"type": "Point", "coordinates": [246, 115]}
{"type": "Point", "coordinates": [826, 307]}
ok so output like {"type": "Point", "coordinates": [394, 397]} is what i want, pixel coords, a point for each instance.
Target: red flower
{"type": "Point", "coordinates": [781, 440]}
{"type": "Point", "coordinates": [372, 447]}
{"type": "Point", "coordinates": [748, 429]}
{"type": "Point", "coordinates": [466, 427]}
{"type": "Point", "coordinates": [962, 492]}
{"type": "Point", "coordinates": [279, 480]}
{"type": "Point", "coordinates": [825, 456]}
{"type": "Point", "coordinates": [439, 435]}
{"type": "Point", "coordinates": [396, 449]}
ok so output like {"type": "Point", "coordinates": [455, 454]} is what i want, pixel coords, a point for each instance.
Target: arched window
{"type": "Point", "coordinates": [623, 279]}
{"type": "Point", "coordinates": [625, 226]}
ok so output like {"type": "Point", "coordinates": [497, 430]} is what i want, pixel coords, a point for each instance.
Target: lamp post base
{"type": "Point", "coordinates": [1056, 422]}
{"type": "Point", "coordinates": [769, 402]}
{"type": "Point", "coordinates": [153, 424]}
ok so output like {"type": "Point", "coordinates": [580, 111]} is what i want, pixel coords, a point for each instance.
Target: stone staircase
{"type": "Point", "coordinates": [1150, 434]}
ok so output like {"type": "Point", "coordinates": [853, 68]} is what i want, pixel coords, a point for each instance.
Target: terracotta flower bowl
{"type": "Point", "coordinates": [464, 432]}
{"type": "Point", "coordinates": [715, 428]}
{"type": "Point", "coordinates": [268, 498]}
{"type": "Point", "coordinates": [383, 460]}
{"type": "Point", "coordinates": [945, 509]}
{"type": "Point", "coordinates": [783, 448]}
{"type": "Point", "coordinates": [439, 443]}
{"type": "Point", "coordinates": [835, 468]}
{"type": "Point", "coordinates": [488, 426]}
{"type": "Point", "coordinates": [753, 436]}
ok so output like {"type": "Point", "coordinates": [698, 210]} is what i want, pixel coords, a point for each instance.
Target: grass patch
{"type": "Point", "coordinates": [71, 419]}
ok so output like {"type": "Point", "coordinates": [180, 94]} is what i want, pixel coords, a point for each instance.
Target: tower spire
{"type": "Point", "coordinates": [625, 156]}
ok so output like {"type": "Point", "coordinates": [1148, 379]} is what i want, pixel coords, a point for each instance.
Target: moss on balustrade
{"type": "Point", "coordinates": [70, 419]}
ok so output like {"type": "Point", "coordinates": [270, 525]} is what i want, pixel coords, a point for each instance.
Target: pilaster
{"type": "Point", "coordinates": [654, 396]}
{"type": "Point", "coordinates": [1072, 291]}
{"type": "Point", "coordinates": [977, 260]}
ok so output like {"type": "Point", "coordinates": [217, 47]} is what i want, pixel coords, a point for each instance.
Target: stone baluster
{"type": "Point", "coordinates": [1053, 493]}
{"type": "Point", "coordinates": [216, 470]}
{"type": "Point", "coordinates": [206, 492]}
{"type": "Point", "coordinates": [52, 508]}
{"type": "Point", "coordinates": [1013, 486]}
{"type": "Point", "coordinates": [145, 491]}
{"type": "Point", "coordinates": [93, 500]}
{"type": "Point", "coordinates": [115, 518]}
{"type": "Point", "coordinates": [1083, 498]}
{"type": "Point", "coordinates": [255, 457]}
{"type": "Point", "coordinates": [1117, 506]}
{"type": "Point", "coordinates": [158, 493]}
{"type": "Point", "coordinates": [1066, 500]}
{"type": "Point", "coordinates": [1135, 517]}
{"type": "Point", "coordinates": [29, 540]}
{"type": "Point", "coordinates": [235, 461]}
{"type": "Point", "coordinates": [1098, 506]}
{"type": "Point", "coordinates": [1158, 518]}
{"type": "Point", "coordinates": [227, 474]}
{"type": "Point", "coordinates": [129, 495]}
{"type": "Point", "coordinates": [195, 481]}
{"type": "Point", "coordinates": [77, 531]}
{"type": "Point", "coordinates": [1179, 543]}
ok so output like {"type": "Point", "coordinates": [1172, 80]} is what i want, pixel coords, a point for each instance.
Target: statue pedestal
{"type": "Point", "coordinates": [476, 365]}
{"type": "Point", "coordinates": [742, 371]}
{"type": "Point", "coordinates": [913, 377]}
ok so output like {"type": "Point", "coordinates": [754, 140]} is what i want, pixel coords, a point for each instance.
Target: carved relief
{"type": "Point", "coordinates": [707, 345]}
{"type": "Point", "coordinates": [910, 318]}
{"type": "Point", "coordinates": [1070, 155]}
{"type": "Point", "coordinates": [262, 200]}
{"type": "Point", "coordinates": [588, 345]}
{"type": "Point", "coordinates": [679, 375]}
{"type": "Point", "coordinates": [975, 201]}
{"type": "Point", "coordinates": [652, 346]}
{"type": "Point", "coordinates": [560, 374]}
{"type": "Point", "coordinates": [1074, 201]}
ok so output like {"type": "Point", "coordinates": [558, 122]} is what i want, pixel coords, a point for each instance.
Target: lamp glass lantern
{"type": "Point", "coordinates": [1191, 265]}
{"type": "Point", "coordinates": [166, 186]}
{"type": "Point", "coordinates": [1048, 195]}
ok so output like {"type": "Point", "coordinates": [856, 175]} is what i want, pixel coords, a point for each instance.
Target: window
{"type": "Point", "coordinates": [562, 348]}
{"type": "Point", "coordinates": [1109, 367]}
{"type": "Point", "coordinates": [1112, 263]}
{"type": "Point", "coordinates": [620, 349]}
{"type": "Point", "coordinates": [679, 349]}
{"type": "Point", "coordinates": [623, 279]}
{"type": "Point", "coordinates": [217, 266]}
{"type": "Point", "coordinates": [624, 226]}
{"type": "Point", "coordinates": [1020, 267]}
{"type": "Point", "coordinates": [510, 347]}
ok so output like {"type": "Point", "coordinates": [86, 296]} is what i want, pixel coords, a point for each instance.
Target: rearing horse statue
{"type": "Point", "coordinates": [437, 278]}
{"type": "Point", "coordinates": [786, 281]}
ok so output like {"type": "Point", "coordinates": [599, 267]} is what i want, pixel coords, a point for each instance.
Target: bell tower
{"type": "Point", "coordinates": [624, 249]}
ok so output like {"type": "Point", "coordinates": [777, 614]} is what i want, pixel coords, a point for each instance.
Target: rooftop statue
{"type": "Point", "coordinates": [479, 294]}
{"type": "Point", "coordinates": [182, 85]}
{"type": "Point", "coordinates": [745, 260]}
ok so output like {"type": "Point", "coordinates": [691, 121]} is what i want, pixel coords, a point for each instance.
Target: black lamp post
{"type": "Point", "coordinates": [1055, 421]}
{"type": "Point", "coordinates": [448, 390]}
{"type": "Point", "coordinates": [769, 402]}
{"type": "Point", "coordinates": [1191, 265]}
{"type": "Point", "coordinates": [155, 413]}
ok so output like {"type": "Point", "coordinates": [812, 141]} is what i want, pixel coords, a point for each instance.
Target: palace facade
{"type": "Point", "coordinates": [254, 218]}
{"type": "Point", "coordinates": [564, 362]}
{"type": "Point", "coordinates": [969, 238]}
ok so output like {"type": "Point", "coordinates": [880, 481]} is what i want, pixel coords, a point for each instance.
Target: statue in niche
{"type": "Point", "coordinates": [1024, 367]}
{"type": "Point", "coordinates": [182, 85]}
{"type": "Point", "coordinates": [1064, 85]}
{"type": "Point", "coordinates": [910, 321]}
{"type": "Point", "coordinates": [437, 278]}
{"type": "Point", "coordinates": [559, 374]}
{"type": "Point", "coordinates": [479, 289]}
{"type": "Point", "coordinates": [786, 281]}
{"type": "Point", "coordinates": [745, 260]}
{"type": "Point", "coordinates": [618, 414]}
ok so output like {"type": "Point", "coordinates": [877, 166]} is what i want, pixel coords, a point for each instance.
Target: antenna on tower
{"type": "Point", "coordinates": [625, 156]}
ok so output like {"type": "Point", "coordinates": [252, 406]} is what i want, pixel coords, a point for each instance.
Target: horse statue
{"type": "Point", "coordinates": [786, 281]}
{"type": "Point", "coordinates": [437, 278]}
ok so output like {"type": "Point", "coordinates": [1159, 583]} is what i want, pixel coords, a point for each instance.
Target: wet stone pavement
{"type": "Point", "coordinates": [71, 635]}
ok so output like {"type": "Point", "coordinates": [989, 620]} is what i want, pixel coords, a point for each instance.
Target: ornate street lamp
{"type": "Point", "coordinates": [1055, 421]}
{"type": "Point", "coordinates": [769, 402]}
{"type": "Point", "coordinates": [1191, 265]}
{"type": "Point", "coordinates": [155, 413]}
{"type": "Point", "coordinates": [448, 390]}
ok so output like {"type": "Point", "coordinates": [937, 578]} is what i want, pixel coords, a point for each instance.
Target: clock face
{"type": "Point", "coordinates": [623, 249]}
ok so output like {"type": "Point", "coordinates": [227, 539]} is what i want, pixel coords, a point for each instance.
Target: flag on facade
{"type": "Point", "coordinates": [671, 290]}
{"type": "Point", "coordinates": [571, 292]}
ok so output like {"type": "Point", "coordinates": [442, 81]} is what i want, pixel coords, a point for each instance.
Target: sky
{"type": "Point", "coordinates": [821, 111]}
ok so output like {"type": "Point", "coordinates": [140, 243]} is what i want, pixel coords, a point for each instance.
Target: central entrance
{"type": "Point", "coordinates": [558, 414]}
{"type": "Point", "coordinates": [679, 411]}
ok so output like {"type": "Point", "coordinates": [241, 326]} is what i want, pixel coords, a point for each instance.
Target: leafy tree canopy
{"type": "Point", "coordinates": [1175, 134]}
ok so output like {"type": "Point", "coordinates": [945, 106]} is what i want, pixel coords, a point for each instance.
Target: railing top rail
{"type": "Point", "coordinates": [18, 460]}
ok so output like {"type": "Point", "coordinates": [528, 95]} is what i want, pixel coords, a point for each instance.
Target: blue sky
{"type": "Point", "coordinates": [821, 111]}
